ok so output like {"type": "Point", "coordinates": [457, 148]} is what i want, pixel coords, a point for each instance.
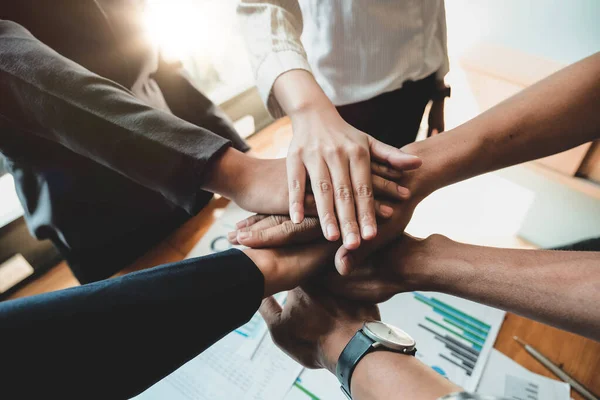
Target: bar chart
{"type": "Point", "coordinates": [463, 335]}
{"type": "Point", "coordinates": [454, 336]}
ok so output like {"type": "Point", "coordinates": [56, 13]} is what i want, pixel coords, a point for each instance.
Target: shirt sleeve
{"type": "Point", "coordinates": [115, 338]}
{"type": "Point", "coordinates": [441, 34]}
{"type": "Point", "coordinates": [45, 94]}
{"type": "Point", "coordinates": [272, 29]}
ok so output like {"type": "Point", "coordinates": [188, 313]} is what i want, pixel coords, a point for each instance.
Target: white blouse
{"type": "Point", "coordinates": [356, 49]}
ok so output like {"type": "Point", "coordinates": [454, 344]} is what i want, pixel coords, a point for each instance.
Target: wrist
{"type": "Point", "coordinates": [265, 262]}
{"type": "Point", "coordinates": [332, 344]}
{"type": "Point", "coordinates": [228, 173]}
{"type": "Point", "coordinates": [438, 264]}
{"type": "Point", "coordinates": [447, 159]}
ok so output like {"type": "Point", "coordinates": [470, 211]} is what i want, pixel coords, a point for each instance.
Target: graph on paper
{"type": "Point", "coordinates": [454, 336]}
{"type": "Point", "coordinates": [462, 334]}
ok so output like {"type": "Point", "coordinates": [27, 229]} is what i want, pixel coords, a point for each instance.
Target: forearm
{"type": "Point", "coordinates": [45, 94]}
{"type": "Point", "coordinates": [383, 374]}
{"type": "Point", "coordinates": [560, 288]}
{"type": "Point", "coordinates": [298, 92]}
{"type": "Point", "coordinates": [555, 114]}
{"type": "Point", "coordinates": [386, 375]}
{"type": "Point", "coordinates": [99, 335]}
{"type": "Point", "coordinates": [272, 30]}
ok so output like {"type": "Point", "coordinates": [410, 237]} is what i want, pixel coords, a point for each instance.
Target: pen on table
{"type": "Point", "coordinates": [556, 370]}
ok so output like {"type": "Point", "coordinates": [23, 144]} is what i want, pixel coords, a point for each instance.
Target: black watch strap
{"type": "Point", "coordinates": [356, 349]}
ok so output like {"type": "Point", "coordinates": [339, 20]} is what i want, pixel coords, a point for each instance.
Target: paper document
{"type": "Point", "coordinates": [221, 374]}
{"type": "Point", "coordinates": [454, 336]}
{"type": "Point", "coordinates": [503, 377]}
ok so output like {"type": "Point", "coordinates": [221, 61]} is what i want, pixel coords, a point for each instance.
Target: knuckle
{"type": "Point", "coordinates": [288, 227]}
{"type": "Point", "coordinates": [366, 218]}
{"type": "Point", "coordinates": [343, 193]}
{"type": "Point", "coordinates": [295, 153]}
{"type": "Point", "coordinates": [333, 151]}
{"type": "Point", "coordinates": [356, 151]}
{"type": "Point", "coordinates": [295, 185]}
{"type": "Point", "coordinates": [262, 236]}
{"type": "Point", "coordinates": [328, 217]}
{"type": "Point", "coordinates": [363, 190]}
{"type": "Point", "coordinates": [350, 226]}
{"type": "Point", "coordinates": [323, 186]}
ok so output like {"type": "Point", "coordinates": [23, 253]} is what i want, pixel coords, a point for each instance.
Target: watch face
{"type": "Point", "coordinates": [388, 335]}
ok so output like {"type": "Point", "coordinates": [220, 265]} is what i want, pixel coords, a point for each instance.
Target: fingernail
{"type": "Point", "coordinates": [387, 211]}
{"type": "Point", "coordinates": [332, 231]}
{"type": "Point", "coordinates": [244, 235]}
{"type": "Point", "coordinates": [296, 218]}
{"type": "Point", "coordinates": [346, 264]}
{"type": "Point", "coordinates": [241, 224]}
{"type": "Point", "coordinates": [232, 236]}
{"type": "Point", "coordinates": [403, 191]}
{"type": "Point", "coordinates": [368, 232]}
{"type": "Point", "coordinates": [351, 240]}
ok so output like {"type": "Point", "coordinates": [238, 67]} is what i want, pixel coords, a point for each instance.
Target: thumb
{"type": "Point", "coordinates": [346, 260]}
{"type": "Point", "coordinates": [270, 311]}
{"type": "Point", "coordinates": [392, 156]}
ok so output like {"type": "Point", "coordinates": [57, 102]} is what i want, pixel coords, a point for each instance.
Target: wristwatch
{"type": "Point", "coordinates": [373, 336]}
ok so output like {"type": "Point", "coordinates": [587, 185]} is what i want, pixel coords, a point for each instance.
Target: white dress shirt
{"type": "Point", "coordinates": [356, 49]}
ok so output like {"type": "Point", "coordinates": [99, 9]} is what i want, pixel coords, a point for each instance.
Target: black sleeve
{"type": "Point", "coordinates": [46, 94]}
{"type": "Point", "coordinates": [113, 339]}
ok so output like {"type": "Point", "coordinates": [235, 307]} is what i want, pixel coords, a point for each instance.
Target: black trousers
{"type": "Point", "coordinates": [392, 117]}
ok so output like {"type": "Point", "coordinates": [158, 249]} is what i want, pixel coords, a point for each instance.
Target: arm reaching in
{"type": "Point", "coordinates": [560, 288]}
{"type": "Point", "coordinates": [314, 327]}
{"type": "Point", "coordinates": [553, 115]}
{"type": "Point", "coordinates": [99, 335]}
{"type": "Point", "coordinates": [333, 154]}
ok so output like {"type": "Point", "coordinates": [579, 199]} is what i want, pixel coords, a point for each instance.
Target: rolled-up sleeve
{"type": "Point", "coordinates": [45, 94]}
{"type": "Point", "coordinates": [272, 29]}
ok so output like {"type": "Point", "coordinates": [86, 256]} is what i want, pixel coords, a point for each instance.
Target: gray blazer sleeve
{"type": "Point", "coordinates": [45, 94]}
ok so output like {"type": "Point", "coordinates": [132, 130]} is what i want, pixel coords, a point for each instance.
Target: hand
{"type": "Point", "coordinates": [263, 231]}
{"type": "Point", "coordinates": [337, 158]}
{"type": "Point", "coordinates": [436, 118]}
{"type": "Point", "coordinates": [314, 327]}
{"type": "Point", "coordinates": [286, 268]}
{"type": "Point", "coordinates": [404, 265]}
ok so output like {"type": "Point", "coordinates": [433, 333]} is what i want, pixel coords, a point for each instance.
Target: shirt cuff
{"type": "Point", "coordinates": [271, 68]}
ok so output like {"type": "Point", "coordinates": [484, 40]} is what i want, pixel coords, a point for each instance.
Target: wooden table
{"type": "Point", "coordinates": [578, 356]}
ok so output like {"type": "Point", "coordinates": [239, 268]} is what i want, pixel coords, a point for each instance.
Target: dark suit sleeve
{"type": "Point", "coordinates": [113, 339]}
{"type": "Point", "coordinates": [48, 95]}
{"type": "Point", "coordinates": [188, 102]}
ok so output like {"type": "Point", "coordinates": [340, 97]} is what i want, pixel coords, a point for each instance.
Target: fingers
{"type": "Point", "coordinates": [344, 199]}
{"type": "Point", "coordinates": [296, 181]}
{"type": "Point", "coordinates": [392, 156]}
{"type": "Point", "coordinates": [360, 176]}
{"type": "Point", "coordinates": [270, 310]}
{"type": "Point", "coordinates": [267, 234]}
{"type": "Point", "coordinates": [343, 261]}
{"type": "Point", "coordinates": [383, 210]}
{"type": "Point", "coordinates": [383, 187]}
{"type": "Point", "coordinates": [250, 221]}
{"type": "Point", "coordinates": [385, 171]}
{"type": "Point", "coordinates": [322, 191]}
